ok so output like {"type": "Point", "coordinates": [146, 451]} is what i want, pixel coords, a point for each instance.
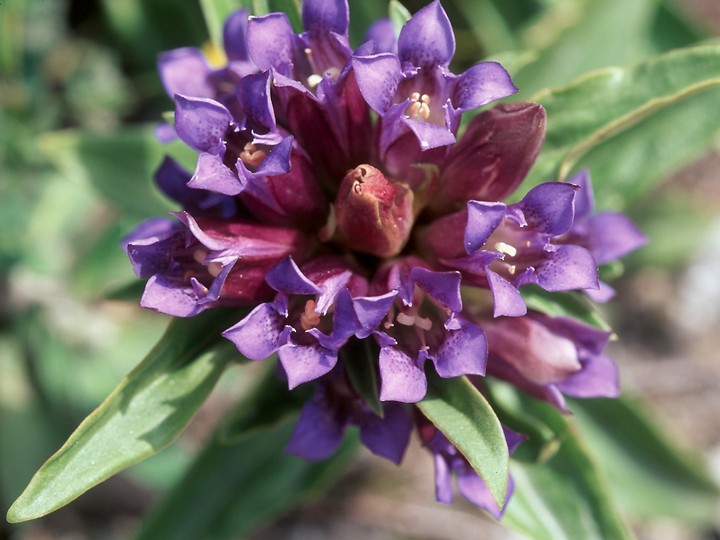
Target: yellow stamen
{"type": "Point", "coordinates": [214, 55]}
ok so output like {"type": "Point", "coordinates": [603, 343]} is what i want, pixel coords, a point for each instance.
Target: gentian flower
{"type": "Point", "coordinates": [334, 195]}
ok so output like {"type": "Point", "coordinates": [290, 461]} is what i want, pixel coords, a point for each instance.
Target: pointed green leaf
{"type": "Point", "coordinates": [572, 304]}
{"type": "Point", "coordinates": [231, 490]}
{"type": "Point", "coordinates": [269, 403]}
{"type": "Point", "coordinates": [564, 498]}
{"type": "Point", "coordinates": [398, 14]}
{"type": "Point", "coordinates": [358, 358]}
{"type": "Point", "coordinates": [145, 413]}
{"type": "Point", "coordinates": [465, 417]}
{"type": "Point", "coordinates": [607, 102]}
{"type": "Point", "coordinates": [649, 476]}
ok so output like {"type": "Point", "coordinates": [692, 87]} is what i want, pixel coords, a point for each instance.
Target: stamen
{"type": "Point", "coordinates": [507, 249]}
{"type": "Point", "coordinates": [310, 318]}
{"type": "Point", "coordinates": [214, 269]}
{"type": "Point", "coordinates": [314, 80]}
{"type": "Point", "coordinates": [419, 107]}
{"type": "Point", "coordinates": [405, 319]}
{"type": "Point", "coordinates": [423, 323]}
{"type": "Point", "coordinates": [199, 255]}
{"type": "Point", "coordinates": [252, 156]}
{"type": "Point", "coordinates": [512, 269]}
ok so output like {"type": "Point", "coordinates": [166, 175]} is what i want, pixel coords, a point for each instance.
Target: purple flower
{"type": "Point", "coordinates": [450, 462]}
{"type": "Point", "coordinates": [333, 194]}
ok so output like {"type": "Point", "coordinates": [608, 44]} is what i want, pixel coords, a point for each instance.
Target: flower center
{"type": "Point", "coordinates": [419, 107]}
{"type": "Point", "coordinates": [252, 156]}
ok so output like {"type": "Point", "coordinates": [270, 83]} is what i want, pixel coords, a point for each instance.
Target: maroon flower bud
{"type": "Point", "coordinates": [374, 215]}
{"type": "Point", "coordinates": [492, 157]}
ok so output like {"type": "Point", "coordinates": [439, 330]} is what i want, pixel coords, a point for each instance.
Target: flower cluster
{"type": "Point", "coordinates": [333, 194]}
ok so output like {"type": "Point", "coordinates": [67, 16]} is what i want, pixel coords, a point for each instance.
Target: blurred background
{"type": "Point", "coordinates": [79, 99]}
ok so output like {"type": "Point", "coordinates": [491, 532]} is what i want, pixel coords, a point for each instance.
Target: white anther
{"type": "Point", "coordinates": [507, 249]}
{"type": "Point", "coordinates": [314, 80]}
{"type": "Point", "coordinates": [214, 269]}
{"type": "Point", "coordinates": [405, 319]}
{"type": "Point", "coordinates": [512, 269]}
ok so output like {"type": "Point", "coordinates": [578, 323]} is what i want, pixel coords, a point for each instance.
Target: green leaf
{"type": "Point", "coordinates": [398, 14]}
{"type": "Point", "coordinates": [543, 425]}
{"type": "Point", "coordinates": [231, 490]}
{"type": "Point", "coordinates": [120, 165]}
{"type": "Point", "coordinates": [291, 8]}
{"type": "Point", "coordinates": [564, 498]}
{"type": "Point", "coordinates": [215, 13]}
{"type": "Point", "coordinates": [607, 102]}
{"type": "Point", "coordinates": [145, 413]}
{"type": "Point", "coordinates": [465, 417]}
{"type": "Point", "coordinates": [570, 304]}
{"type": "Point", "coordinates": [269, 404]}
{"type": "Point", "coordinates": [649, 476]}
{"type": "Point", "coordinates": [358, 358]}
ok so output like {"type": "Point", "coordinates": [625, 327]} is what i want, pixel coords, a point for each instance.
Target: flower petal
{"type": "Point", "coordinates": [387, 436]}
{"type": "Point", "coordinates": [270, 41]}
{"type": "Point", "coordinates": [426, 40]}
{"type": "Point", "coordinates": [235, 35]}
{"type": "Point", "coordinates": [570, 267]}
{"type": "Point", "coordinates": [326, 16]}
{"type": "Point", "coordinates": [481, 84]}
{"type": "Point", "coordinates": [402, 379]}
{"type": "Point", "coordinates": [599, 377]}
{"type": "Point", "coordinates": [442, 286]}
{"type": "Point", "coordinates": [168, 296]}
{"type": "Point", "coordinates": [548, 208]}
{"type": "Point", "coordinates": [319, 430]}
{"type": "Point", "coordinates": [378, 78]}
{"type": "Point", "coordinates": [612, 235]}
{"type": "Point", "coordinates": [213, 175]}
{"type": "Point", "coordinates": [506, 298]}
{"type": "Point", "coordinates": [483, 219]}
{"type": "Point", "coordinates": [259, 334]}
{"type": "Point", "coordinates": [201, 123]}
{"type": "Point", "coordinates": [185, 71]}
{"type": "Point", "coordinates": [286, 277]}
{"type": "Point", "coordinates": [303, 363]}
{"type": "Point", "coordinates": [463, 352]}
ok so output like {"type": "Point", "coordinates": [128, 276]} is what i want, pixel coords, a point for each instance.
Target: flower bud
{"type": "Point", "coordinates": [374, 215]}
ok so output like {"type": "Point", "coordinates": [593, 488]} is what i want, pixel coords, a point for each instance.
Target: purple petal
{"type": "Point", "coordinates": [548, 208]}
{"type": "Point", "coordinates": [474, 489]}
{"type": "Point", "coordinates": [318, 432]}
{"type": "Point", "coordinates": [303, 363]}
{"type": "Point", "coordinates": [168, 296]}
{"type": "Point", "coordinates": [442, 286]}
{"type": "Point", "coordinates": [483, 219]}
{"type": "Point", "coordinates": [388, 436]}
{"type": "Point", "coordinates": [611, 235]}
{"type": "Point", "coordinates": [149, 231]}
{"type": "Point", "coordinates": [326, 16]}
{"type": "Point", "coordinates": [371, 310]}
{"type": "Point", "coordinates": [570, 267]}
{"type": "Point", "coordinates": [382, 35]}
{"type": "Point", "coordinates": [235, 35]}
{"type": "Point", "coordinates": [402, 379]}
{"type": "Point", "coordinates": [270, 41]}
{"type": "Point", "coordinates": [201, 123]}
{"type": "Point", "coordinates": [427, 41]}
{"type": "Point", "coordinates": [443, 480]}
{"type": "Point", "coordinates": [258, 335]}
{"type": "Point", "coordinates": [507, 300]}
{"type": "Point", "coordinates": [604, 294]}
{"type": "Point", "coordinates": [378, 78]}
{"type": "Point", "coordinates": [286, 277]}
{"type": "Point", "coordinates": [584, 198]}
{"type": "Point", "coordinates": [599, 377]}
{"type": "Point", "coordinates": [213, 175]}
{"type": "Point", "coordinates": [430, 135]}
{"type": "Point", "coordinates": [185, 71]}
{"type": "Point", "coordinates": [345, 321]}
{"type": "Point", "coordinates": [331, 287]}
{"type": "Point", "coordinates": [463, 352]}
{"type": "Point", "coordinates": [254, 94]}
{"type": "Point", "coordinates": [165, 133]}
{"type": "Point", "coordinates": [481, 84]}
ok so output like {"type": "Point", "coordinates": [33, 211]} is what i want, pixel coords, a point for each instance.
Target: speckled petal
{"type": "Point", "coordinates": [402, 379]}
{"type": "Point", "coordinates": [286, 277]}
{"type": "Point", "coordinates": [442, 286]}
{"type": "Point", "coordinates": [483, 219]}
{"type": "Point", "coordinates": [427, 41]}
{"type": "Point", "coordinates": [506, 298]}
{"type": "Point", "coordinates": [201, 123]}
{"type": "Point", "coordinates": [569, 268]}
{"type": "Point", "coordinates": [235, 36]}
{"type": "Point", "coordinates": [463, 352]}
{"type": "Point", "coordinates": [254, 95]}
{"type": "Point", "coordinates": [270, 41]}
{"type": "Point", "coordinates": [258, 335]}
{"type": "Point", "coordinates": [430, 135]}
{"type": "Point", "coordinates": [548, 208]}
{"type": "Point", "coordinates": [326, 16]}
{"type": "Point", "coordinates": [213, 175]}
{"type": "Point", "coordinates": [378, 77]}
{"type": "Point", "coordinates": [168, 296]}
{"type": "Point", "coordinates": [303, 363]}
